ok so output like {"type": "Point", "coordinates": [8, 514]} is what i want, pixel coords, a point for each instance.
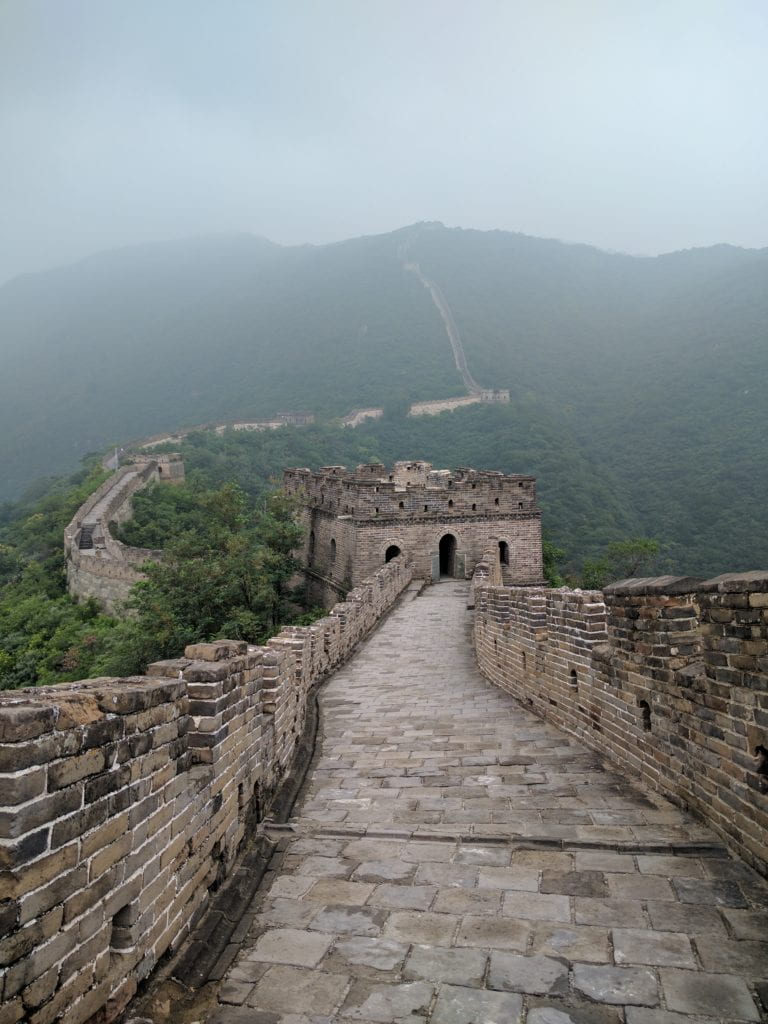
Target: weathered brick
{"type": "Point", "coordinates": [73, 769]}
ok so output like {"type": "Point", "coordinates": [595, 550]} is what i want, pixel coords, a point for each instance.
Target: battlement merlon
{"type": "Point", "coordinates": [413, 488]}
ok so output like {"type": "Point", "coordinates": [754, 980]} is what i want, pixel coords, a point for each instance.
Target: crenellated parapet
{"type": "Point", "coordinates": [442, 520]}
{"type": "Point", "coordinates": [123, 803]}
{"type": "Point", "coordinates": [667, 676]}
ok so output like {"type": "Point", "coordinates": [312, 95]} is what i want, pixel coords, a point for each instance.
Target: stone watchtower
{"type": "Point", "coordinates": [441, 521]}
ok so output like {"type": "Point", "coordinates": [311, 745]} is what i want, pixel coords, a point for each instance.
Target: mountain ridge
{"type": "Point", "coordinates": [655, 366]}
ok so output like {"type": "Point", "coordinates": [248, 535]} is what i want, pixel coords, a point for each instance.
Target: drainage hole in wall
{"type": "Point", "coordinates": [646, 712]}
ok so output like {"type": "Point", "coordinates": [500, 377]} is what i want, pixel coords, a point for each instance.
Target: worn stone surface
{"type": "Point", "coordinates": [439, 874]}
{"type": "Point", "coordinates": [457, 1005]}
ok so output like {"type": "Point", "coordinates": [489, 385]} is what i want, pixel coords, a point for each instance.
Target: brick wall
{"type": "Point", "coordinates": [667, 676]}
{"type": "Point", "coordinates": [123, 803]}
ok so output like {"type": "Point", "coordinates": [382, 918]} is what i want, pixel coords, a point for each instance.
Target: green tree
{"type": "Point", "coordinates": [553, 556]}
{"type": "Point", "coordinates": [623, 559]}
{"type": "Point", "coordinates": [228, 577]}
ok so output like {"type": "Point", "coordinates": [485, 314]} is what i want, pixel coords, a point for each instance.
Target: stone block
{"type": "Point", "coordinates": [536, 975]}
{"type": "Point", "coordinates": [714, 995]}
{"type": "Point", "coordinates": [24, 721]}
{"type": "Point", "coordinates": [619, 986]}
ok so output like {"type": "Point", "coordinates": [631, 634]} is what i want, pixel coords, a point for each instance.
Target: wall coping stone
{"type": "Point", "coordinates": [667, 585]}
{"type": "Point", "coordinates": [736, 582]}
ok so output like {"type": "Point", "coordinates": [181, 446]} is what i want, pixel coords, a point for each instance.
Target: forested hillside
{"type": "Point", "coordinates": [638, 385]}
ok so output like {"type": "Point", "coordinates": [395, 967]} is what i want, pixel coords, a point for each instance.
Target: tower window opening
{"type": "Point", "coordinates": [392, 552]}
{"type": "Point", "coordinates": [333, 549]}
{"type": "Point", "coordinates": [503, 552]}
{"type": "Point", "coordinates": [450, 503]}
{"type": "Point", "coordinates": [574, 679]}
{"type": "Point", "coordinates": [495, 501]}
{"type": "Point", "coordinates": [401, 505]}
{"type": "Point", "coordinates": [474, 507]}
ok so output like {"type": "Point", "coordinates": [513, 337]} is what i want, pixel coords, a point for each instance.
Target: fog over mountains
{"type": "Point", "coordinates": [654, 369]}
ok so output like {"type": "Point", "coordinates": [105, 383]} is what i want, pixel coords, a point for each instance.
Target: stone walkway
{"type": "Point", "coordinates": [456, 860]}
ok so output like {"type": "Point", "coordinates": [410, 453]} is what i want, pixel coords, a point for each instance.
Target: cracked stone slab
{"type": "Point", "coordinates": [291, 946]}
{"type": "Point", "coordinates": [574, 883]}
{"type": "Point", "coordinates": [338, 890]}
{"type": "Point", "coordinates": [428, 928]}
{"type": "Point", "coordinates": [535, 906]}
{"type": "Point", "coordinates": [520, 877]}
{"type": "Point", "coordinates": [403, 897]}
{"type": "Point", "coordinates": [494, 933]}
{"type": "Point", "coordinates": [467, 901]}
{"type": "Point", "coordinates": [345, 920]}
{"type": "Point", "coordinates": [387, 1003]}
{"type": "Point", "coordinates": [575, 942]}
{"type": "Point", "coordinates": [537, 975]}
{"type": "Point", "coordinates": [383, 871]}
{"type": "Point", "coordinates": [645, 946]}
{"type": "Point", "coordinates": [434, 963]}
{"type": "Point", "coordinates": [545, 1010]}
{"type": "Point", "coordinates": [721, 995]}
{"type": "Point", "coordinates": [610, 912]}
{"type": "Point", "coordinates": [298, 990]}
{"type": "Point", "coordinates": [381, 954]}
{"type": "Point", "coordinates": [748, 924]}
{"type": "Point", "coordinates": [457, 1005]}
{"type": "Point", "coordinates": [710, 892]}
{"type": "Point", "coordinates": [620, 986]}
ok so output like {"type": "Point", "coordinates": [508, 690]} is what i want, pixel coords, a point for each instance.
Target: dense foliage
{"type": "Point", "coordinates": [225, 572]}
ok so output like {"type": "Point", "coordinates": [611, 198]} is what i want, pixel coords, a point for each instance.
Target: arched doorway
{"type": "Point", "coordinates": [503, 552]}
{"type": "Point", "coordinates": [447, 551]}
{"type": "Point", "coordinates": [392, 552]}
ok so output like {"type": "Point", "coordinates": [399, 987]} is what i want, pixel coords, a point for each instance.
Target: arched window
{"type": "Point", "coordinates": [333, 549]}
{"type": "Point", "coordinates": [503, 552]}
{"type": "Point", "coordinates": [574, 680]}
{"type": "Point", "coordinates": [392, 552]}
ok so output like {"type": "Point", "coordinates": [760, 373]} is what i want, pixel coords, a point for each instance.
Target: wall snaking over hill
{"type": "Point", "coordinates": [98, 565]}
{"type": "Point", "coordinates": [667, 676]}
{"type": "Point", "coordinates": [123, 803]}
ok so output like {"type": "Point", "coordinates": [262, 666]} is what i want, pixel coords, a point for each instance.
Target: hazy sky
{"type": "Point", "coordinates": [638, 125]}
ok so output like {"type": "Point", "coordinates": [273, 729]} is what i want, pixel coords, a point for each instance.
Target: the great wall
{"type": "Point", "coordinates": [99, 565]}
{"type": "Point", "coordinates": [129, 803]}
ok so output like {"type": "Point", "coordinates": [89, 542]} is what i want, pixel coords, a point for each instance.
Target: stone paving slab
{"type": "Point", "coordinates": [455, 860]}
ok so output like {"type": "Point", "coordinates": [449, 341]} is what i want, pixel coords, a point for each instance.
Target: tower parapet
{"type": "Point", "coordinates": [441, 520]}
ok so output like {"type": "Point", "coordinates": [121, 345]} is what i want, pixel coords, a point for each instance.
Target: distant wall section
{"type": "Point", "coordinates": [98, 565]}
